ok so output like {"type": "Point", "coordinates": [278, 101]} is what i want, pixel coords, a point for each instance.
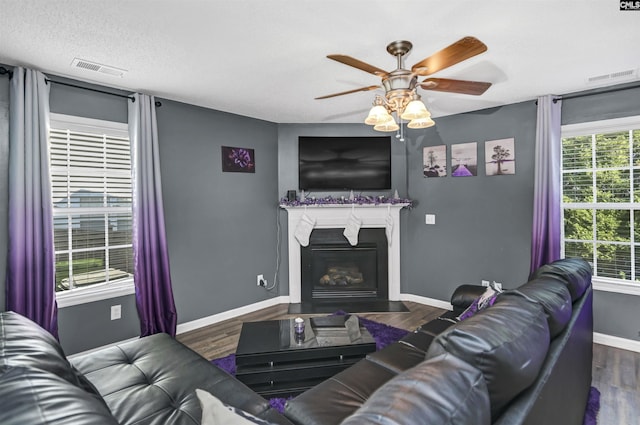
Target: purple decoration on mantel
{"type": "Point", "coordinates": [358, 200]}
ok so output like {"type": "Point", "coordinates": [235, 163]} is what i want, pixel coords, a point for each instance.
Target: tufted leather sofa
{"type": "Point", "coordinates": [149, 381]}
{"type": "Point", "coordinates": [526, 360]}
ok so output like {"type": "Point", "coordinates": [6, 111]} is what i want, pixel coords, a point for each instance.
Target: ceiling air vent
{"type": "Point", "coordinates": [96, 67]}
{"type": "Point", "coordinates": [613, 78]}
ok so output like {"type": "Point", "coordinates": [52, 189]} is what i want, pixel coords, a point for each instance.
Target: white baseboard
{"type": "Point", "coordinates": [230, 314]}
{"type": "Point", "coordinates": [617, 342]}
{"type": "Point", "coordinates": [427, 301]}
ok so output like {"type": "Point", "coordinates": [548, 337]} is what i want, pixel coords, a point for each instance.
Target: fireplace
{"type": "Point", "coordinates": [333, 270]}
{"type": "Point", "coordinates": [335, 216]}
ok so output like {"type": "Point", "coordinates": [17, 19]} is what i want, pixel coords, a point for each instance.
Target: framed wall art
{"type": "Point", "coordinates": [500, 157]}
{"type": "Point", "coordinates": [238, 160]}
{"type": "Point", "coordinates": [435, 161]}
{"type": "Point", "coordinates": [464, 159]}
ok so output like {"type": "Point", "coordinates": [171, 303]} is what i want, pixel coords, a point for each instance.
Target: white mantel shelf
{"type": "Point", "coordinates": [330, 216]}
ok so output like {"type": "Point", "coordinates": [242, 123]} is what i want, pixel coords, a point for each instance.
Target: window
{"type": "Point", "coordinates": [601, 200]}
{"type": "Point", "coordinates": [92, 208]}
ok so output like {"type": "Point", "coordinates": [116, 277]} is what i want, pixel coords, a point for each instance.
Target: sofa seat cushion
{"type": "Point", "coordinates": [329, 402]}
{"type": "Point", "coordinates": [24, 343]}
{"type": "Point", "coordinates": [418, 340]}
{"type": "Point", "coordinates": [37, 397]}
{"type": "Point", "coordinates": [443, 390]}
{"type": "Point", "coordinates": [397, 357]}
{"type": "Point", "coordinates": [573, 272]}
{"type": "Point", "coordinates": [554, 297]}
{"type": "Point", "coordinates": [507, 342]}
{"type": "Point", "coordinates": [152, 380]}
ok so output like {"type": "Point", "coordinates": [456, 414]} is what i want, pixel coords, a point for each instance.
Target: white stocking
{"type": "Point", "coordinates": [352, 229]}
{"type": "Point", "coordinates": [303, 229]}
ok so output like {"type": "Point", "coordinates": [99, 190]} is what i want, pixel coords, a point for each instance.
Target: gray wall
{"type": "Point", "coordinates": [483, 223]}
{"type": "Point", "coordinates": [221, 227]}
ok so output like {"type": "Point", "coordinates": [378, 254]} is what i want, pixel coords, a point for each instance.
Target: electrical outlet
{"type": "Point", "coordinates": [498, 285]}
{"type": "Point", "coordinates": [116, 312]}
{"type": "Point", "coordinates": [429, 219]}
{"type": "Point", "coordinates": [485, 283]}
{"type": "Point", "coordinates": [260, 280]}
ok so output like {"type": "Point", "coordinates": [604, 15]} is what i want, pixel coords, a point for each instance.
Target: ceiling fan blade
{"type": "Point", "coordinates": [475, 88]}
{"type": "Point", "coordinates": [369, 88]}
{"type": "Point", "coordinates": [348, 60]}
{"type": "Point", "coordinates": [462, 49]}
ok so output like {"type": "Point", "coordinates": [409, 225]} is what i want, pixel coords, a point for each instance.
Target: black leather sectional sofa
{"type": "Point", "coordinates": [525, 360]}
{"type": "Point", "coordinates": [149, 381]}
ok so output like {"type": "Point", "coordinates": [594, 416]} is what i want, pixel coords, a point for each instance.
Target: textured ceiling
{"type": "Point", "coordinates": [267, 59]}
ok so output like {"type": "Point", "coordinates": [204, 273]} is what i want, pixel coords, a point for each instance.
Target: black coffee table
{"type": "Point", "coordinates": [272, 361]}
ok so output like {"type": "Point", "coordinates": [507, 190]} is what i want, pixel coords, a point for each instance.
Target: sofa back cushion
{"type": "Point", "coordinates": [573, 272]}
{"type": "Point", "coordinates": [442, 390]}
{"type": "Point", "coordinates": [507, 342]}
{"type": "Point", "coordinates": [25, 343]}
{"type": "Point", "coordinates": [37, 397]}
{"type": "Point", "coordinates": [555, 299]}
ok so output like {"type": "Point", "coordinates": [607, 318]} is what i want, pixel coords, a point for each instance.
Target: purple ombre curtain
{"type": "Point", "coordinates": [154, 295]}
{"type": "Point", "coordinates": [545, 241]}
{"type": "Point", "coordinates": [30, 280]}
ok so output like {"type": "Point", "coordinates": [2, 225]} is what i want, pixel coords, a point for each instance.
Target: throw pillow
{"type": "Point", "coordinates": [486, 300]}
{"type": "Point", "coordinates": [215, 412]}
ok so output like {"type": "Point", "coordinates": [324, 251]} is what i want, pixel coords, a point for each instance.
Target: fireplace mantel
{"type": "Point", "coordinates": [330, 216]}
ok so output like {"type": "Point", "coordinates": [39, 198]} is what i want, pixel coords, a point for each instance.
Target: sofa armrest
{"type": "Point", "coordinates": [464, 295]}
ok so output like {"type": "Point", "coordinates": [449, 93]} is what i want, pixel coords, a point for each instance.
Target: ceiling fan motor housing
{"type": "Point", "coordinates": [398, 86]}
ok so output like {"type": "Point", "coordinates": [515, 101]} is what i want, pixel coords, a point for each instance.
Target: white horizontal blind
{"type": "Point", "coordinates": [92, 201]}
{"type": "Point", "coordinates": [601, 197]}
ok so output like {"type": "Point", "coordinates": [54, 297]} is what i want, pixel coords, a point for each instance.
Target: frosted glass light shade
{"type": "Point", "coordinates": [415, 110]}
{"type": "Point", "coordinates": [387, 126]}
{"type": "Point", "coordinates": [421, 123]}
{"type": "Point", "coordinates": [378, 115]}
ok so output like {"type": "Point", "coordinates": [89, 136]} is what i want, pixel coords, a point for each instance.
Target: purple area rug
{"type": "Point", "coordinates": [593, 407]}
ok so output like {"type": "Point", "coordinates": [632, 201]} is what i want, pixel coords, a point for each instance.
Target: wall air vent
{"type": "Point", "coordinates": [96, 67]}
{"type": "Point", "coordinates": [613, 78]}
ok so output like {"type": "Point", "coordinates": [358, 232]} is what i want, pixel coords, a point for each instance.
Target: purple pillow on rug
{"type": "Point", "coordinates": [486, 300]}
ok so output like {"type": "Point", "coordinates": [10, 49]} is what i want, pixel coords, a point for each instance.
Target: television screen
{"type": "Point", "coordinates": [344, 163]}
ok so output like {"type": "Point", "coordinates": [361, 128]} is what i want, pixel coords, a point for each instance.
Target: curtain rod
{"type": "Point", "coordinates": [133, 99]}
{"type": "Point", "coordinates": [575, 96]}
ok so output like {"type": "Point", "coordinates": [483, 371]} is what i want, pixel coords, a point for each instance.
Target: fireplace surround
{"type": "Point", "coordinates": [335, 216]}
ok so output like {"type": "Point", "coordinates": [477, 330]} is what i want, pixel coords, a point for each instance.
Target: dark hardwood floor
{"type": "Point", "coordinates": [616, 373]}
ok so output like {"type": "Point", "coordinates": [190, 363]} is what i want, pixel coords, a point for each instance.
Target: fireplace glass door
{"type": "Point", "coordinates": [333, 269]}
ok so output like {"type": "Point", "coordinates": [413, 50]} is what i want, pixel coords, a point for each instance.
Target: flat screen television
{"type": "Point", "coordinates": [344, 163]}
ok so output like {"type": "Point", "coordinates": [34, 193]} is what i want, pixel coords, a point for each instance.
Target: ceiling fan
{"type": "Point", "coordinates": [401, 84]}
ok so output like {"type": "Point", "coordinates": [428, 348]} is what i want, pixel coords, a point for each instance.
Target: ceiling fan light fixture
{"type": "Point", "coordinates": [415, 110]}
{"type": "Point", "coordinates": [388, 126]}
{"type": "Point", "coordinates": [421, 123]}
{"type": "Point", "coordinates": [378, 115]}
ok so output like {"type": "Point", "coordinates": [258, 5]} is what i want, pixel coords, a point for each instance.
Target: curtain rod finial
{"type": "Point", "coordinates": [4, 70]}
